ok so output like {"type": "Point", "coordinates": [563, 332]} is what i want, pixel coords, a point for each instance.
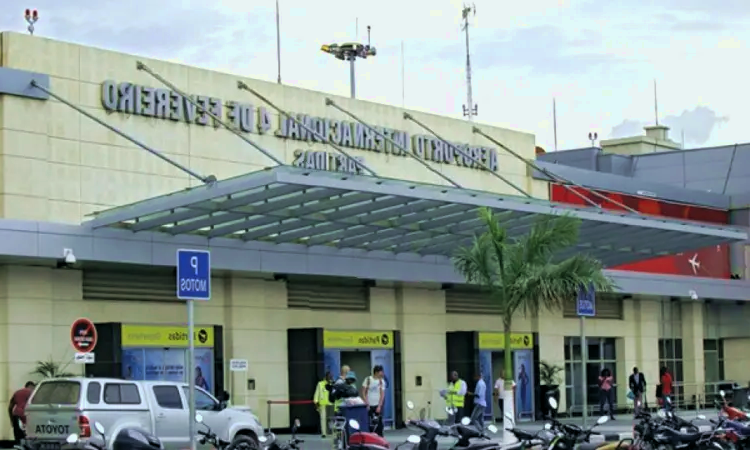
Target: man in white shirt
{"type": "Point", "coordinates": [373, 393]}
{"type": "Point", "coordinates": [498, 394]}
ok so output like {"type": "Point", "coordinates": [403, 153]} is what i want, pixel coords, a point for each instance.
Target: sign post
{"type": "Point", "coordinates": [585, 307]}
{"type": "Point", "coordinates": [83, 337]}
{"type": "Point", "coordinates": [193, 283]}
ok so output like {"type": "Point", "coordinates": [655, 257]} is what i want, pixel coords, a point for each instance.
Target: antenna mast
{"type": "Point", "coordinates": [554, 120]}
{"type": "Point", "coordinates": [656, 105]}
{"type": "Point", "coordinates": [469, 109]}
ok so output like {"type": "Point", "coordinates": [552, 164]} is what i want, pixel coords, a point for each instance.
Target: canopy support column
{"type": "Point", "coordinates": [467, 155]}
{"type": "Point", "coordinates": [241, 85]}
{"type": "Point", "coordinates": [158, 154]}
{"type": "Point", "coordinates": [330, 102]}
{"type": "Point", "coordinates": [140, 66]}
{"type": "Point", "coordinates": [563, 181]}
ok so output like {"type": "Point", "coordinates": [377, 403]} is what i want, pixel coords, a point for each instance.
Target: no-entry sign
{"type": "Point", "coordinates": [83, 335]}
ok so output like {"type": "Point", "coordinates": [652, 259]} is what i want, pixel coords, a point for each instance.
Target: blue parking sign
{"type": "Point", "coordinates": [586, 302]}
{"type": "Point", "coordinates": [193, 275]}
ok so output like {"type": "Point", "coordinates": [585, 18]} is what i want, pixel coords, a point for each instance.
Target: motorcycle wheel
{"type": "Point", "coordinates": [243, 443]}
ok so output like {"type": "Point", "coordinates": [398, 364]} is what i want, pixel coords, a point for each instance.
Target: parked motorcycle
{"type": "Point", "coordinates": [365, 440]}
{"type": "Point", "coordinates": [270, 442]}
{"type": "Point", "coordinates": [208, 436]}
{"type": "Point", "coordinates": [731, 412]}
{"type": "Point", "coordinates": [129, 438]}
{"type": "Point", "coordinates": [73, 442]}
{"type": "Point", "coordinates": [469, 436]}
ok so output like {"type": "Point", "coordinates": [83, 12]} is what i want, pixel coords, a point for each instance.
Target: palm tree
{"type": "Point", "coordinates": [50, 369]}
{"type": "Point", "coordinates": [524, 273]}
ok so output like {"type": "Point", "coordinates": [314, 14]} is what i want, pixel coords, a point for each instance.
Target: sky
{"type": "Point", "coordinates": [599, 60]}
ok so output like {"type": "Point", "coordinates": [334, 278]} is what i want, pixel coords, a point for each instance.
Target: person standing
{"type": "Point", "coordinates": [499, 392]}
{"type": "Point", "coordinates": [17, 411]}
{"type": "Point", "coordinates": [666, 388]}
{"type": "Point", "coordinates": [373, 393]}
{"type": "Point", "coordinates": [637, 384]}
{"type": "Point", "coordinates": [454, 395]}
{"type": "Point", "coordinates": [606, 393]}
{"type": "Point", "coordinates": [480, 402]}
{"type": "Point", "coordinates": [322, 403]}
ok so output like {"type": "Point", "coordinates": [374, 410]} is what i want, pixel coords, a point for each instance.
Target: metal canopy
{"type": "Point", "coordinates": [299, 206]}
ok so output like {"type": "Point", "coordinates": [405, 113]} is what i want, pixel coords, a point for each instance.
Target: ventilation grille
{"type": "Point", "coordinates": [328, 296]}
{"type": "Point", "coordinates": [157, 286]}
{"type": "Point", "coordinates": [608, 306]}
{"type": "Point", "coordinates": [469, 301]}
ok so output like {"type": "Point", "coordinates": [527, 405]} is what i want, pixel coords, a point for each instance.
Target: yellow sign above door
{"type": "Point", "coordinates": [357, 339]}
{"type": "Point", "coordinates": [496, 341]}
{"type": "Point", "coordinates": [165, 336]}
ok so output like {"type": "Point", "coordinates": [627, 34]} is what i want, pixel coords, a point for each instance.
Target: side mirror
{"type": "Point", "coordinates": [414, 439]}
{"type": "Point", "coordinates": [492, 428]}
{"type": "Point", "coordinates": [602, 420]}
{"type": "Point", "coordinates": [701, 417]}
{"type": "Point", "coordinates": [450, 410]}
{"type": "Point", "coordinates": [72, 439]}
{"type": "Point", "coordinates": [226, 396]}
{"type": "Point", "coordinates": [662, 414]}
{"type": "Point", "coordinates": [722, 393]}
{"type": "Point", "coordinates": [199, 418]}
{"type": "Point", "coordinates": [547, 426]}
{"type": "Point", "coordinates": [99, 428]}
{"type": "Point", "coordinates": [465, 421]}
{"type": "Point", "coordinates": [409, 404]}
{"type": "Point", "coordinates": [296, 425]}
{"type": "Point", "coordinates": [354, 424]}
{"type": "Point", "coordinates": [509, 417]}
{"type": "Point", "coordinates": [552, 403]}
{"type": "Point", "coordinates": [262, 439]}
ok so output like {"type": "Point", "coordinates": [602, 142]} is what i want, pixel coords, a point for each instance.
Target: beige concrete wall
{"type": "Point", "coordinates": [737, 360]}
{"type": "Point", "coordinates": [60, 166]}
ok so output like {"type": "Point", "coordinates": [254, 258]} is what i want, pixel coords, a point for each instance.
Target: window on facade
{"type": "Point", "coordinates": [670, 356]}
{"type": "Point", "coordinates": [601, 354]}
{"type": "Point", "coordinates": [713, 358]}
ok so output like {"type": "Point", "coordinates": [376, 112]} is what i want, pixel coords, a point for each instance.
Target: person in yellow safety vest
{"type": "Point", "coordinates": [323, 404]}
{"type": "Point", "coordinates": [454, 396]}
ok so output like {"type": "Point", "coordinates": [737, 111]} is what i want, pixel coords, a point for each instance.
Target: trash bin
{"type": "Point", "coordinates": [358, 413]}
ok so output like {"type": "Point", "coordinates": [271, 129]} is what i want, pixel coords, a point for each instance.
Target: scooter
{"type": "Point", "coordinates": [129, 438]}
{"type": "Point", "coordinates": [363, 440]}
{"type": "Point", "coordinates": [208, 436]}
{"type": "Point", "coordinates": [270, 442]}
{"type": "Point", "coordinates": [731, 412]}
{"type": "Point", "coordinates": [74, 442]}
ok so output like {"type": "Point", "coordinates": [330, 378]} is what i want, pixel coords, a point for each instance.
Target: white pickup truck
{"type": "Point", "coordinates": [62, 406]}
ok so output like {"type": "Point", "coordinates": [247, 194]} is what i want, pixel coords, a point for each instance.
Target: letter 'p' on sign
{"type": "Point", "coordinates": [193, 275]}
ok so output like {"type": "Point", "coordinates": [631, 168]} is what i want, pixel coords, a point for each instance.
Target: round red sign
{"type": "Point", "coordinates": [83, 335]}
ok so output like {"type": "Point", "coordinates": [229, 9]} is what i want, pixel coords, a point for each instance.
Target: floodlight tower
{"type": "Point", "coordinates": [350, 51]}
{"type": "Point", "coordinates": [470, 109]}
{"type": "Point", "coordinates": [31, 17]}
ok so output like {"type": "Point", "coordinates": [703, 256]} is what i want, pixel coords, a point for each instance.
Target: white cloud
{"type": "Point", "coordinates": [598, 59]}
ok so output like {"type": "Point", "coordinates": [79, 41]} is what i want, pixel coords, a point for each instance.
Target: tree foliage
{"type": "Point", "coordinates": [50, 369]}
{"type": "Point", "coordinates": [525, 273]}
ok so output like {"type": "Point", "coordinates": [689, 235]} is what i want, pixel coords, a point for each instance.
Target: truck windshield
{"type": "Point", "coordinates": [57, 393]}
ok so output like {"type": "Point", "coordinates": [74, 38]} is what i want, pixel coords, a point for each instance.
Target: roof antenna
{"type": "Point", "coordinates": [554, 119]}
{"type": "Point", "coordinates": [656, 105]}
{"type": "Point", "coordinates": [31, 17]}
{"type": "Point", "coordinates": [470, 109]}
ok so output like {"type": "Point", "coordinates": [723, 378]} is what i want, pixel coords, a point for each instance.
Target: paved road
{"type": "Point", "coordinates": [620, 428]}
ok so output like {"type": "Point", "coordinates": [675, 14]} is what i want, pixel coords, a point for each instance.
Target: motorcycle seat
{"type": "Point", "coordinates": [591, 445]}
{"type": "Point", "coordinates": [522, 435]}
{"type": "Point", "coordinates": [685, 438]}
{"type": "Point", "coordinates": [481, 445]}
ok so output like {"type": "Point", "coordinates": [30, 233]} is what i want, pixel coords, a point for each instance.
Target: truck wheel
{"type": "Point", "coordinates": [243, 443]}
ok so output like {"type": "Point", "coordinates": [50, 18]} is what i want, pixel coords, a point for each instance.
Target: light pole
{"type": "Point", "coordinates": [31, 17]}
{"type": "Point", "coordinates": [350, 51]}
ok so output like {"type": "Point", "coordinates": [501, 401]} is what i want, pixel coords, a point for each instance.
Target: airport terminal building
{"type": "Point", "coordinates": [331, 223]}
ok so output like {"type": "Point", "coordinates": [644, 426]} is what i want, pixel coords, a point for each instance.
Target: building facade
{"type": "Point", "coordinates": [69, 183]}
